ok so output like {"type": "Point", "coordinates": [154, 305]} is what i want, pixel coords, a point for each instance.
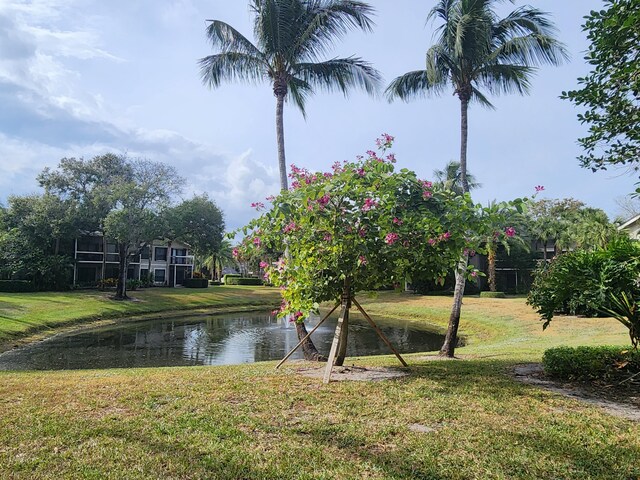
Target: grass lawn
{"type": "Point", "coordinates": [25, 313]}
{"type": "Point", "coordinates": [251, 422]}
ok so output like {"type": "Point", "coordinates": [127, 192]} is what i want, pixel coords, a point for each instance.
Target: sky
{"type": "Point", "coordinates": [80, 78]}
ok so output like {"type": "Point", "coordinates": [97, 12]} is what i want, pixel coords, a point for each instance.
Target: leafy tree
{"type": "Point", "coordinates": [198, 222]}
{"type": "Point", "coordinates": [219, 259]}
{"type": "Point", "coordinates": [610, 93]}
{"type": "Point", "coordinates": [357, 228]}
{"type": "Point", "coordinates": [451, 178]}
{"type": "Point", "coordinates": [138, 200]}
{"type": "Point", "coordinates": [35, 227]}
{"type": "Point", "coordinates": [496, 215]}
{"type": "Point", "coordinates": [90, 184]}
{"type": "Point", "coordinates": [291, 37]}
{"type": "Point", "coordinates": [475, 51]}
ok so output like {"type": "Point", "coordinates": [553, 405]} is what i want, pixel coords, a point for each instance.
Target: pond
{"type": "Point", "coordinates": [206, 340]}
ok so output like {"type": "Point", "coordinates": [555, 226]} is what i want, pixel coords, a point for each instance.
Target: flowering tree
{"type": "Point", "coordinates": [359, 227]}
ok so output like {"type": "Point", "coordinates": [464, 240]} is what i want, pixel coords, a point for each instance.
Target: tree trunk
{"type": "Point", "coordinates": [280, 91]}
{"type": "Point", "coordinates": [121, 290]}
{"type": "Point", "coordinates": [167, 273]}
{"type": "Point", "coordinates": [282, 162]}
{"type": "Point", "coordinates": [344, 333]}
{"type": "Point", "coordinates": [448, 348]}
{"type": "Point", "coordinates": [104, 260]}
{"type": "Point", "coordinates": [491, 256]}
{"type": "Point", "coordinates": [544, 253]}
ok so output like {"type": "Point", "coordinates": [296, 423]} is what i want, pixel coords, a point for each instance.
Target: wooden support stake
{"type": "Point", "coordinates": [378, 331]}
{"type": "Point", "coordinates": [334, 345]}
{"type": "Point", "coordinates": [306, 336]}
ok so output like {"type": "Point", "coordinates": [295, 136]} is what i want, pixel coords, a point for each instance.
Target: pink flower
{"type": "Point", "coordinates": [427, 194]}
{"type": "Point", "coordinates": [362, 260]}
{"type": "Point", "coordinates": [510, 232]}
{"type": "Point", "coordinates": [264, 264]}
{"type": "Point", "coordinates": [362, 232]}
{"type": "Point", "coordinates": [369, 203]}
{"type": "Point", "coordinates": [474, 274]}
{"type": "Point", "coordinates": [270, 198]}
{"type": "Point", "coordinates": [295, 185]}
{"type": "Point", "coordinates": [291, 227]}
{"type": "Point", "coordinates": [327, 237]}
{"type": "Point", "coordinates": [360, 172]}
{"type": "Point", "coordinates": [426, 184]}
{"type": "Point", "coordinates": [257, 205]}
{"type": "Point", "coordinates": [397, 221]}
{"type": "Point", "coordinates": [391, 157]}
{"type": "Point", "coordinates": [432, 241]}
{"type": "Point", "coordinates": [385, 141]}
{"type": "Point", "coordinates": [296, 316]}
{"type": "Point", "coordinates": [391, 238]}
{"type": "Point", "coordinates": [324, 200]}
{"type": "Point", "coordinates": [257, 242]}
{"type": "Point", "coordinates": [445, 236]}
{"type": "Point", "coordinates": [327, 175]}
{"type": "Point", "coordinates": [539, 188]}
{"type": "Point", "coordinates": [235, 252]}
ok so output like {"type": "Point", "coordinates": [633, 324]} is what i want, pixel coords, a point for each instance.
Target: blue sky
{"type": "Point", "coordinates": [83, 77]}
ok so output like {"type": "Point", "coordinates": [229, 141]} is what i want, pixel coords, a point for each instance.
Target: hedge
{"type": "Point", "coordinates": [14, 286]}
{"type": "Point", "coordinates": [492, 295]}
{"type": "Point", "coordinates": [229, 275]}
{"type": "Point", "coordinates": [195, 283]}
{"type": "Point", "coordinates": [243, 281]}
{"type": "Point", "coordinates": [591, 363]}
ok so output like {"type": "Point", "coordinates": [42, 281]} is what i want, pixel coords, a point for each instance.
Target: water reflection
{"type": "Point", "coordinates": [205, 340]}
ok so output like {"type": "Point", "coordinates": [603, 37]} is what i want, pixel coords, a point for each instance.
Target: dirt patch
{"type": "Point", "coordinates": [533, 374]}
{"type": "Point", "coordinates": [356, 374]}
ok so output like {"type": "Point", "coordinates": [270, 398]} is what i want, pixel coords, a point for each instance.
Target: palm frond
{"type": "Point", "coordinates": [299, 91]}
{"type": "Point", "coordinates": [340, 74]}
{"type": "Point", "coordinates": [327, 20]}
{"type": "Point", "coordinates": [214, 69]}
{"type": "Point", "coordinates": [499, 79]}
{"type": "Point", "coordinates": [228, 39]}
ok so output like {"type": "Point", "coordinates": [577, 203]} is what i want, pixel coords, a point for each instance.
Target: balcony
{"type": "Point", "coordinates": [182, 260]}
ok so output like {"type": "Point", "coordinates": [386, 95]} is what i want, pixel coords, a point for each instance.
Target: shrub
{"type": "Point", "coordinates": [215, 282]}
{"type": "Point", "coordinates": [492, 295]}
{"type": "Point", "coordinates": [108, 283]}
{"type": "Point", "coordinates": [243, 281]}
{"type": "Point", "coordinates": [14, 286]}
{"type": "Point", "coordinates": [591, 363]}
{"type": "Point", "coordinates": [133, 284]}
{"type": "Point", "coordinates": [195, 283]}
{"type": "Point", "coordinates": [197, 275]}
{"type": "Point", "coordinates": [230, 275]}
{"type": "Point", "coordinates": [584, 282]}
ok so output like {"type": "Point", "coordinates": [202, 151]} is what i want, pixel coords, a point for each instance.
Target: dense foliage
{"type": "Point", "coordinates": [587, 282]}
{"type": "Point", "coordinates": [359, 227]}
{"type": "Point", "coordinates": [610, 93]}
{"type": "Point", "coordinates": [591, 363]}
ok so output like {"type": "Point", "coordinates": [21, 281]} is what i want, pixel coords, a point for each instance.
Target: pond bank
{"type": "Point", "coordinates": [29, 317]}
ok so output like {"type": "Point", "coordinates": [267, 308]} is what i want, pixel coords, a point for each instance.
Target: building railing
{"type": "Point", "coordinates": [182, 260]}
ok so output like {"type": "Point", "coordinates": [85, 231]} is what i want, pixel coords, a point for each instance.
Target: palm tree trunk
{"type": "Point", "coordinates": [282, 162]}
{"type": "Point", "coordinates": [491, 255]}
{"type": "Point", "coordinates": [280, 90]}
{"type": "Point", "coordinates": [450, 341]}
{"type": "Point", "coordinates": [121, 289]}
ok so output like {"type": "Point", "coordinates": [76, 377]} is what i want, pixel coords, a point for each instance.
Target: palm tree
{"type": "Point", "coordinates": [450, 178]}
{"type": "Point", "coordinates": [291, 36]}
{"type": "Point", "coordinates": [476, 50]}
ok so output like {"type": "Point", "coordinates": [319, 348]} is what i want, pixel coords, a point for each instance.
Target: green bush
{"type": "Point", "coordinates": [243, 281]}
{"type": "Point", "coordinates": [14, 286]}
{"type": "Point", "coordinates": [583, 282]}
{"type": "Point", "coordinates": [214, 282]}
{"type": "Point", "coordinates": [133, 284]}
{"type": "Point", "coordinates": [230, 275]}
{"type": "Point", "coordinates": [195, 283]}
{"type": "Point", "coordinates": [591, 363]}
{"type": "Point", "coordinates": [492, 295]}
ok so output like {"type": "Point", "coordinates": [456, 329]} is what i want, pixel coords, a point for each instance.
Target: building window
{"type": "Point", "coordinates": [158, 275]}
{"type": "Point", "coordinates": [144, 254]}
{"type": "Point", "coordinates": [144, 274]}
{"type": "Point", "coordinates": [160, 254]}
